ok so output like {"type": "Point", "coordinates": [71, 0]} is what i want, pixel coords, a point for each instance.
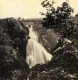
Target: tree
{"type": "Point", "coordinates": [58, 19]}
{"type": "Point", "coordinates": [65, 52]}
{"type": "Point", "coordinates": [13, 41]}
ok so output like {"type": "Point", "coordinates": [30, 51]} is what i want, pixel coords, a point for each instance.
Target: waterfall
{"type": "Point", "coordinates": [36, 53]}
{"type": "Point", "coordinates": [33, 34]}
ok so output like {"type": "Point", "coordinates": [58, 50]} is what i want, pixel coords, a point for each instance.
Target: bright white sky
{"type": "Point", "coordinates": [28, 8]}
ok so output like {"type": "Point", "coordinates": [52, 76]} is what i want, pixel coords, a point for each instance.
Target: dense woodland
{"type": "Point", "coordinates": [14, 38]}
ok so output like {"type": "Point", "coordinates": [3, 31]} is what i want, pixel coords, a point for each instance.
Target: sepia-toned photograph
{"type": "Point", "coordinates": [38, 39]}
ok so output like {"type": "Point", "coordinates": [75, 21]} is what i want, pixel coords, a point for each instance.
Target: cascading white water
{"type": "Point", "coordinates": [36, 53]}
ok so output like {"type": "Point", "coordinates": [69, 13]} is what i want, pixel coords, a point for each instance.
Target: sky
{"type": "Point", "coordinates": [28, 8]}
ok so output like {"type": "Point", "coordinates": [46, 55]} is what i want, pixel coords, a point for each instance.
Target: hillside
{"type": "Point", "coordinates": [13, 42]}
{"type": "Point", "coordinates": [64, 64]}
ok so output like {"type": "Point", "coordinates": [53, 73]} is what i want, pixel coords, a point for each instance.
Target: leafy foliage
{"type": "Point", "coordinates": [13, 40]}
{"type": "Point", "coordinates": [65, 61]}
{"type": "Point", "coordinates": [58, 19]}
